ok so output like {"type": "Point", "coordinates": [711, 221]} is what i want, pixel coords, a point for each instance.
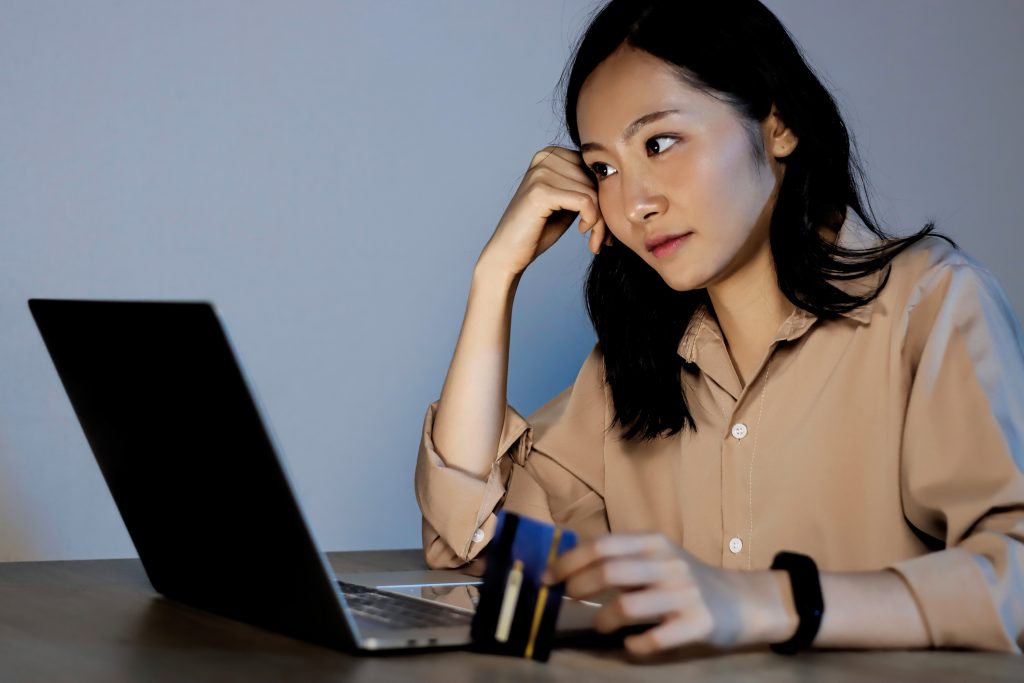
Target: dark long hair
{"type": "Point", "coordinates": [739, 52]}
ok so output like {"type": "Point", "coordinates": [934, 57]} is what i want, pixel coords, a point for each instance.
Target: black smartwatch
{"type": "Point", "coordinates": [803, 577]}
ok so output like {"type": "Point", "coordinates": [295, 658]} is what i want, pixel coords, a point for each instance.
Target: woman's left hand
{"type": "Point", "coordinates": [687, 601]}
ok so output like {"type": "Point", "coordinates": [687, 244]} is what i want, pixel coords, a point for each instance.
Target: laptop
{"type": "Point", "coordinates": [194, 473]}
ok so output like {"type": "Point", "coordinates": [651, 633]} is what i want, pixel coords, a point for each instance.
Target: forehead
{"type": "Point", "coordinates": [628, 84]}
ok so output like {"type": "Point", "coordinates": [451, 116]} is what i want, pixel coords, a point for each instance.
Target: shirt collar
{"type": "Point", "coordinates": [703, 328]}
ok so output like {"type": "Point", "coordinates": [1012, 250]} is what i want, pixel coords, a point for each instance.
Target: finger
{"type": "Point", "coordinates": [684, 630]}
{"type": "Point", "coordinates": [606, 547]}
{"type": "Point", "coordinates": [546, 176]}
{"type": "Point", "coordinates": [576, 169]}
{"type": "Point", "coordinates": [630, 572]}
{"type": "Point", "coordinates": [557, 198]}
{"type": "Point", "coordinates": [554, 154]}
{"type": "Point", "coordinates": [542, 179]}
{"type": "Point", "coordinates": [598, 224]}
{"type": "Point", "coordinates": [599, 236]}
{"type": "Point", "coordinates": [558, 177]}
{"type": "Point", "coordinates": [639, 607]}
{"type": "Point", "coordinates": [568, 162]}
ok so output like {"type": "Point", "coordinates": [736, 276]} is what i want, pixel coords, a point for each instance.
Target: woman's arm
{"type": "Point", "coordinates": [554, 190]}
{"type": "Point", "coordinates": [549, 467]}
{"type": "Point", "coordinates": [461, 470]}
{"type": "Point", "coordinates": [868, 610]}
{"type": "Point", "coordinates": [694, 603]}
{"type": "Point", "coordinates": [471, 409]}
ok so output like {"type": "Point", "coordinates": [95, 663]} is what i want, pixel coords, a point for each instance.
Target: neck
{"type": "Point", "coordinates": [750, 308]}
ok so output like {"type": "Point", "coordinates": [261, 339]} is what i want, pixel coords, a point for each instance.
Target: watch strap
{"type": "Point", "coordinates": [807, 599]}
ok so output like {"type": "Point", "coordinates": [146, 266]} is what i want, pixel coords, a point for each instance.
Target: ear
{"type": "Point", "coordinates": [779, 140]}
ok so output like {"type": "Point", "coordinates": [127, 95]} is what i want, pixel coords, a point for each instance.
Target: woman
{"type": "Point", "coordinates": [772, 373]}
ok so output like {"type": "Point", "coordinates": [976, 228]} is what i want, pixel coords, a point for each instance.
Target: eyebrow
{"type": "Point", "coordinates": [632, 129]}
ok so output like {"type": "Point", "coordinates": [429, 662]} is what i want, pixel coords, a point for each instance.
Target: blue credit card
{"type": "Point", "coordinates": [516, 614]}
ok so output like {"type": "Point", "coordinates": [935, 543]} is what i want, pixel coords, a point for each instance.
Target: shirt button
{"type": "Point", "coordinates": [739, 430]}
{"type": "Point", "coordinates": [478, 535]}
{"type": "Point", "coordinates": [735, 545]}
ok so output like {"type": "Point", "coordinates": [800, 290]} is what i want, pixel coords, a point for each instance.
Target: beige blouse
{"type": "Point", "coordinates": [890, 437]}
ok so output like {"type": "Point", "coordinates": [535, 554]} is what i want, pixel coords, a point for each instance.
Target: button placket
{"type": "Point", "coordinates": [737, 467]}
{"type": "Point", "coordinates": [735, 464]}
{"type": "Point", "coordinates": [736, 460]}
{"type": "Point", "coordinates": [737, 482]}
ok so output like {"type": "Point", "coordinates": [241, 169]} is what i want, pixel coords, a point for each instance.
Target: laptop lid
{"type": "Point", "coordinates": [189, 462]}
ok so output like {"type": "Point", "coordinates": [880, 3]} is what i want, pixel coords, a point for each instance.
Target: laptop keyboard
{"type": "Point", "coordinates": [398, 611]}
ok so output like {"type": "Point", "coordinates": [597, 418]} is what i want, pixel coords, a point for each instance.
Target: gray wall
{"type": "Point", "coordinates": [327, 173]}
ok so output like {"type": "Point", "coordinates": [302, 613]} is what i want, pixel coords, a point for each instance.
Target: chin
{"type": "Point", "coordinates": [685, 282]}
{"type": "Point", "coordinates": [684, 276]}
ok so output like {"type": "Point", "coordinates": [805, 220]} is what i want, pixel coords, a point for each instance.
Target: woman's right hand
{"type": "Point", "coordinates": [554, 190]}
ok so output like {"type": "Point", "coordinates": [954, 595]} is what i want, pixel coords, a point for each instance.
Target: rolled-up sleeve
{"type": "Point", "coordinates": [456, 504]}
{"type": "Point", "coordinates": [544, 463]}
{"type": "Point", "coordinates": [962, 457]}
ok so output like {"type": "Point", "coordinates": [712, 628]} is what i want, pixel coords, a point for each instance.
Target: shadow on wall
{"type": "Point", "coordinates": [14, 546]}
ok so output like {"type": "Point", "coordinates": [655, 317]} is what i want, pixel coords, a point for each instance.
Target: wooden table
{"type": "Point", "coordinates": [101, 621]}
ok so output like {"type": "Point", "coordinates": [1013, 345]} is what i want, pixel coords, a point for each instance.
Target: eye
{"type": "Point", "coordinates": [659, 147]}
{"type": "Point", "coordinates": [596, 170]}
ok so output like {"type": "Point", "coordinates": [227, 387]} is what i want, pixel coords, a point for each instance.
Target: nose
{"type": "Point", "coordinates": [642, 204]}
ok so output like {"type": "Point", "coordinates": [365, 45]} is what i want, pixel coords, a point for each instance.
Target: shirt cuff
{"type": "Point", "coordinates": [953, 595]}
{"type": "Point", "coordinates": [457, 504]}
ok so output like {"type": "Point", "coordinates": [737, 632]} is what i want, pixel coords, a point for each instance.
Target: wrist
{"type": "Point", "coordinates": [772, 615]}
{"type": "Point", "coordinates": [487, 276]}
{"type": "Point", "coordinates": [494, 291]}
{"type": "Point", "coordinates": [785, 619]}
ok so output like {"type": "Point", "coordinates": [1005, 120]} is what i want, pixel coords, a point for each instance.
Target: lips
{"type": "Point", "coordinates": [655, 241]}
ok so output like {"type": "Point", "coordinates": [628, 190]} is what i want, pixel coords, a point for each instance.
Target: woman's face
{"type": "Point", "coordinates": [690, 172]}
